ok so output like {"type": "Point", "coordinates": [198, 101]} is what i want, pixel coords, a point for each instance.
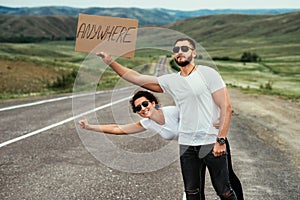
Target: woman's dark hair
{"type": "Point", "coordinates": [148, 95]}
{"type": "Point", "coordinates": [187, 39]}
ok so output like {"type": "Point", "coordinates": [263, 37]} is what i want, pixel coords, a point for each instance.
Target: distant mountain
{"type": "Point", "coordinates": [157, 16]}
{"type": "Point", "coordinates": [178, 14]}
{"type": "Point", "coordinates": [145, 16]}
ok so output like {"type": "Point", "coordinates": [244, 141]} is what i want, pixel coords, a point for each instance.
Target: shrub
{"type": "Point", "coordinates": [64, 81]}
{"type": "Point", "coordinates": [250, 57]}
{"type": "Point", "coordinates": [267, 86]}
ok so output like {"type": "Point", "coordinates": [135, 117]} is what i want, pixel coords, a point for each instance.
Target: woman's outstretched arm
{"type": "Point", "coordinates": [112, 128]}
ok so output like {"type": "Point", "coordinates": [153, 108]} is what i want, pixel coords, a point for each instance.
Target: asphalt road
{"type": "Point", "coordinates": [61, 163]}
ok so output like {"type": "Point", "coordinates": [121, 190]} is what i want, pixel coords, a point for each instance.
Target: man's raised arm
{"type": "Point", "coordinates": [145, 81]}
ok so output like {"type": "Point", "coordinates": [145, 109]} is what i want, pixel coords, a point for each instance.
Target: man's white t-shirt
{"type": "Point", "coordinates": [169, 130]}
{"type": "Point", "coordinates": [193, 97]}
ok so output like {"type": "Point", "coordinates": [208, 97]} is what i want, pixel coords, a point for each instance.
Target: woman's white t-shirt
{"type": "Point", "coordinates": [169, 130]}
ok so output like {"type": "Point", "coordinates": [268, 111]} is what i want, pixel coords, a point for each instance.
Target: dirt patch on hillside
{"type": "Point", "coordinates": [24, 77]}
{"type": "Point", "coordinates": [275, 120]}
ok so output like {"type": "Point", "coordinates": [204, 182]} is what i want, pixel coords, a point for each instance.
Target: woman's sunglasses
{"type": "Point", "coordinates": [138, 108]}
{"type": "Point", "coordinates": [183, 49]}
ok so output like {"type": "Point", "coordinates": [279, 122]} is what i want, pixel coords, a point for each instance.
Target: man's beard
{"type": "Point", "coordinates": [184, 63]}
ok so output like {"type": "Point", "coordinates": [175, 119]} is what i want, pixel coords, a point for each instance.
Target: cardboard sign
{"type": "Point", "coordinates": [115, 36]}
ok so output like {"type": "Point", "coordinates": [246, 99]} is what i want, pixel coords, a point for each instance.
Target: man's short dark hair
{"type": "Point", "coordinates": [187, 39]}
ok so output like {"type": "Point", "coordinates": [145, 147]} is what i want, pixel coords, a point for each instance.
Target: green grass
{"type": "Point", "coordinates": [30, 68]}
{"type": "Point", "coordinates": [49, 61]}
{"type": "Point", "coordinates": [254, 77]}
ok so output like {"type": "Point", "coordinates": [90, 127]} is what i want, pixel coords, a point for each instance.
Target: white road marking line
{"type": "Point", "coordinates": [61, 122]}
{"type": "Point", "coordinates": [57, 99]}
{"type": "Point", "coordinates": [35, 103]}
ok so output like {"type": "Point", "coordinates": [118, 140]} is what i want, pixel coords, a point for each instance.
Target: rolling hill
{"type": "Point", "coordinates": [275, 38]}
{"type": "Point", "coordinates": [223, 28]}
{"type": "Point", "coordinates": [232, 29]}
{"type": "Point", "coordinates": [36, 28]}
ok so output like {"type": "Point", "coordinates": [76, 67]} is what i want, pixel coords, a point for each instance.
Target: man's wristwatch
{"type": "Point", "coordinates": [221, 141]}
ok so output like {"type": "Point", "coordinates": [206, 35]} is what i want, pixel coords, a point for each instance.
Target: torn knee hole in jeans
{"type": "Point", "coordinates": [192, 192]}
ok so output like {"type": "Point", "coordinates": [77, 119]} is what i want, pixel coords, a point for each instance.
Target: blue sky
{"type": "Point", "coordinates": [170, 4]}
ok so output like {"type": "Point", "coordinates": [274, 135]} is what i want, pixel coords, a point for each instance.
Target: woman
{"type": "Point", "coordinates": [164, 121]}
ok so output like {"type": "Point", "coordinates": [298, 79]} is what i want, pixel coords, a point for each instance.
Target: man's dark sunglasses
{"type": "Point", "coordinates": [138, 108]}
{"type": "Point", "coordinates": [183, 49]}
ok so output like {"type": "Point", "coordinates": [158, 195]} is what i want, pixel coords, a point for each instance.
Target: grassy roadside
{"type": "Point", "coordinates": [262, 78]}
{"type": "Point", "coordinates": [38, 69]}
{"type": "Point", "coordinates": [51, 68]}
{"type": "Point", "coordinates": [278, 72]}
